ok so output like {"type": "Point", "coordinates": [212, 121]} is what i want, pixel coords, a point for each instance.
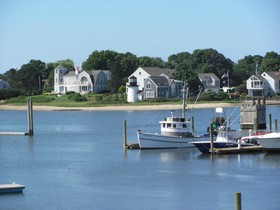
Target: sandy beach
{"type": "Point", "coordinates": [125, 107]}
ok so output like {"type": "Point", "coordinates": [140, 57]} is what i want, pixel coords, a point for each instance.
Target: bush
{"type": "Point", "coordinates": [76, 97]}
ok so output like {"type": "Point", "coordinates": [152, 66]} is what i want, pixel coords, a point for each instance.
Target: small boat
{"type": "Point", "coordinates": [269, 141]}
{"type": "Point", "coordinates": [175, 132]}
{"type": "Point", "coordinates": [225, 139]}
{"type": "Point", "coordinates": [11, 188]}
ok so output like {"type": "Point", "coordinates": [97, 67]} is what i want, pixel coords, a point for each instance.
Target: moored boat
{"type": "Point", "coordinates": [225, 139]}
{"type": "Point", "coordinates": [269, 141]}
{"type": "Point", "coordinates": [175, 132]}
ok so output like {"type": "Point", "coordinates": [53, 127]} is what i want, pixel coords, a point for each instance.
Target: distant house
{"type": "Point", "coordinates": [160, 86]}
{"type": "Point", "coordinates": [80, 81]}
{"type": "Point", "coordinates": [210, 82]}
{"type": "Point", "coordinates": [272, 81]}
{"type": "Point", "coordinates": [256, 86]}
{"type": "Point", "coordinates": [4, 84]}
{"type": "Point", "coordinates": [153, 82]}
{"type": "Point", "coordinates": [142, 73]}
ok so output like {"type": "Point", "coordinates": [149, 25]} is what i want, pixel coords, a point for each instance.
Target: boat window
{"type": "Point", "coordinates": [184, 125]}
{"type": "Point", "coordinates": [174, 125]}
{"type": "Point", "coordinates": [163, 125]}
{"type": "Point", "coordinates": [168, 125]}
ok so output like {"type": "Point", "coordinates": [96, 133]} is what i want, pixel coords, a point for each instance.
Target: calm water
{"type": "Point", "coordinates": [75, 160]}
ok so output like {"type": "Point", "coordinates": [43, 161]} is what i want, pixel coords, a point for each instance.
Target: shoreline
{"type": "Point", "coordinates": [125, 107]}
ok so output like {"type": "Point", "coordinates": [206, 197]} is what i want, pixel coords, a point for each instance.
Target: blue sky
{"type": "Point", "coordinates": [52, 30]}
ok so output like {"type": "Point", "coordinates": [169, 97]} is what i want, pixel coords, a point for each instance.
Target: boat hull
{"type": "Point", "coordinates": [204, 146]}
{"type": "Point", "coordinates": [159, 141]}
{"type": "Point", "coordinates": [270, 141]}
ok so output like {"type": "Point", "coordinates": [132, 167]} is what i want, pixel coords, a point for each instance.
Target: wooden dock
{"type": "Point", "coordinates": [132, 146]}
{"type": "Point", "coordinates": [11, 188]}
{"type": "Point", "coordinates": [238, 150]}
{"type": "Point", "coordinates": [14, 133]}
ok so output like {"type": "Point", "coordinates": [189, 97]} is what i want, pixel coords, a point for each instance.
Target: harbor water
{"type": "Point", "coordinates": [76, 160]}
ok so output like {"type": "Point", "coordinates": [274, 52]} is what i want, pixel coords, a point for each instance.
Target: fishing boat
{"type": "Point", "coordinates": [175, 132]}
{"type": "Point", "coordinates": [269, 141]}
{"type": "Point", "coordinates": [225, 139]}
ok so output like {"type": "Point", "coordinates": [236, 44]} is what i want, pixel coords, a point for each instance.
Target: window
{"type": "Point", "coordinates": [148, 86]}
{"type": "Point", "coordinates": [139, 73]}
{"type": "Point", "coordinates": [84, 80]}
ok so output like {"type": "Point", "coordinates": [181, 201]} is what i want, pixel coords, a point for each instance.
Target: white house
{"type": "Point", "coordinates": [273, 81]}
{"type": "Point", "coordinates": [80, 81]}
{"type": "Point", "coordinates": [263, 85]}
{"type": "Point", "coordinates": [210, 82]}
{"type": "Point", "coordinates": [142, 73]}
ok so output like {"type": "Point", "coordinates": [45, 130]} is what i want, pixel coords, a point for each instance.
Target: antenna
{"type": "Point", "coordinates": [257, 65]}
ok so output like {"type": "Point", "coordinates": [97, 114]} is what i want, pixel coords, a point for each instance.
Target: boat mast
{"type": "Point", "coordinates": [184, 91]}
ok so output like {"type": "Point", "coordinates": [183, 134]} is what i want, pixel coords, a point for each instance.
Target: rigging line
{"type": "Point", "coordinates": [195, 102]}
{"type": "Point", "coordinates": [152, 119]}
{"type": "Point", "coordinates": [239, 115]}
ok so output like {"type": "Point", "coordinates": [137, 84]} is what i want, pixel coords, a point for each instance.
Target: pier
{"type": "Point", "coordinates": [237, 150]}
{"type": "Point", "coordinates": [29, 122]}
{"type": "Point", "coordinates": [11, 188]}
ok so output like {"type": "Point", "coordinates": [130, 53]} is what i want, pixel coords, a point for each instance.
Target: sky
{"type": "Point", "coordinates": [52, 30]}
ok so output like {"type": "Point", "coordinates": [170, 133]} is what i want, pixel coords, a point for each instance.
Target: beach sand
{"type": "Point", "coordinates": [127, 107]}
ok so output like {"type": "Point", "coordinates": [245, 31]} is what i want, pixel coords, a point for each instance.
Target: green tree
{"type": "Point", "coordinates": [270, 62]}
{"type": "Point", "coordinates": [244, 68]}
{"type": "Point", "coordinates": [102, 60]}
{"type": "Point", "coordinates": [30, 76]}
{"type": "Point", "coordinates": [179, 58]}
{"type": "Point", "coordinates": [210, 61]}
{"type": "Point", "coordinates": [184, 72]}
{"type": "Point", "coordinates": [146, 61]}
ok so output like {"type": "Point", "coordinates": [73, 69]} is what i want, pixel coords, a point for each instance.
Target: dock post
{"type": "Point", "coordinates": [124, 134]}
{"type": "Point", "coordinates": [193, 124]}
{"type": "Point", "coordinates": [269, 122]}
{"type": "Point", "coordinates": [275, 125]}
{"type": "Point", "coordinates": [237, 201]}
{"type": "Point", "coordinates": [211, 138]}
{"type": "Point", "coordinates": [30, 117]}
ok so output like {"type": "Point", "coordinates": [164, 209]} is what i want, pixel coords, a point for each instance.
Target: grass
{"type": "Point", "coordinates": [94, 100]}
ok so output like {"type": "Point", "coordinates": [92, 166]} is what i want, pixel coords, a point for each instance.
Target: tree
{"type": "Point", "coordinates": [30, 76]}
{"type": "Point", "coordinates": [245, 68]}
{"type": "Point", "coordinates": [102, 60]}
{"type": "Point", "coordinates": [146, 61]}
{"type": "Point", "coordinates": [210, 61]}
{"type": "Point", "coordinates": [184, 72]}
{"type": "Point", "coordinates": [178, 58]}
{"type": "Point", "coordinates": [270, 62]}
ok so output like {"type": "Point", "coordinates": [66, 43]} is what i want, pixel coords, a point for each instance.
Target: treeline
{"type": "Point", "coordinates": [37, 77]}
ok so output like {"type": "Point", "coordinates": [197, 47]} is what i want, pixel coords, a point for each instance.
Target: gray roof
{"type": "Point", "coordinates": [274, 74]}
{"type": "Point", "coordinates": [156, 71]}
{"type": "Point", "coordinates": [160, 80]}
{"type": "Point", "coordinates": [205, 75]}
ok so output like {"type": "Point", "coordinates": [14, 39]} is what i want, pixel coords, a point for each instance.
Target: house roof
{"type": "Point", "coordinates": [204, 76]}
{"type": "Point", "coordinates": [259, 77]}
{"type": "Point", "coordinates": [159, 80]}
{"type": "Point", "coordinates": [274, 74]}
{"type": "Point", "coordinates": [156, 71]}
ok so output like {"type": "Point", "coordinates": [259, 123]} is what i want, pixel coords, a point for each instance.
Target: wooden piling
{"type": "Point", "coordinates": [124, 135]}
{"type": "Point", "coordinates": [30, 117]}
{"type": "Point", "coordinates": [275, 125]}
{"type": "Point", "coordinates": [269, 122]}
{"type": "Point", "coordinates": [237, 201]}
{"type": "Point", "coordinates": [211, 139]}
{"type": "Point", "coordinates": [193, 124]}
